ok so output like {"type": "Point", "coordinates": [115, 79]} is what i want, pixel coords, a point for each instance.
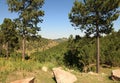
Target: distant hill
{"type": "Point", "coordinates": [41, 44]}
{"type": "Point", "coordinates": [59, 40]}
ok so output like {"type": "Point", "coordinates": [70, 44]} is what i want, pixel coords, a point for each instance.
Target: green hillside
{"type": "Point", "coordinates": [73, 53]}
{"type": "Point", "coordinates": [40, 44]}
{"type": "Point", "coordinates": [77, 54]}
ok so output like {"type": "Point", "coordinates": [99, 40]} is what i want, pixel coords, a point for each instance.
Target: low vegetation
{"type": "Point", "coordinates": [11, 70]}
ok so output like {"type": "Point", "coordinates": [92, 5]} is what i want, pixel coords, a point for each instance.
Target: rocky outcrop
{"type": "Point", "coordinates": [115, 75]}
{"type": "Point", "coordinates": [62, 76]}
{"type": "Point", "coordinates": [28, 80]}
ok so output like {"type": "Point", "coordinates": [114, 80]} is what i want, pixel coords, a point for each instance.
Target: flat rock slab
{"type": "Point", "coordinates": [27, 80]}
{"type": "Point", "coordinates": [115, 74]}
{"type": "Point", "coordinates": [62, 76]}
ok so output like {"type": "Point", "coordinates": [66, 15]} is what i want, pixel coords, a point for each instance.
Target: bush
{"type": "Point", "coordinates": [38, 56]}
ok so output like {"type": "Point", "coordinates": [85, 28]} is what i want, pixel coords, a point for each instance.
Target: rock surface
{"type": "Point", "coordinates": [62, 76]}
{"type": "Point", "coordinates": [45, 69]}
{"type": "Point", "coordinates": [28, 80]}
{"type": "Point", "coordinates": [115, 74]}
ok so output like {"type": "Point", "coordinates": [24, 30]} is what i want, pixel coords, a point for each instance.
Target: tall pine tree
{"type": "Point", "coordinates": [30, 14]}
{"type": "Point", "coordinates": [95, 17]}
{"type": "Point", "coordinates": [8, 33]}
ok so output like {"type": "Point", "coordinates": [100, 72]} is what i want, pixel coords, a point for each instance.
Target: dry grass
{"type": "Point", "coordinates": [13, 70]}
{"type": "Point", "coordinates": [40, 76]}
{"type": "Point", "coordinates": [102, 77]}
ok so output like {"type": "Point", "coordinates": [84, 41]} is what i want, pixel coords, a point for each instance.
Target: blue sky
{"type": "Point", "coordinates": [56, 23]}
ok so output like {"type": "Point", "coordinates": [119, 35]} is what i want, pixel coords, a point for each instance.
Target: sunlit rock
{"type": "Point", "coordinates": [62, 76]}
{"type": "Point", "coordinates": [115, 74]}
{"type": "Point", "coordinates": [27, 80]}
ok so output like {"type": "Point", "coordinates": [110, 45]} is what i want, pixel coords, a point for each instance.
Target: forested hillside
{"type": "Point", "coordinates": [32, 45]}
{"type": "Point", "coordinates": [40, 44]}
{"type": "Point", "coordinates": [52, 55]}
{"type": "Point", "coordinates": [80, 52]}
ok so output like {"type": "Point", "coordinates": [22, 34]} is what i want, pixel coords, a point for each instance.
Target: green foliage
{"type": "Point", "coordinates": [9, 37]}
{"type": "Point", "coordinates": [111, 49]}
{"type": "Point", "coordinates": [37, 43]}
{"type": "Point", "coordinates": [38, 56]}
{"type": "Point", "coordinates": [16, 65]}
{"type": "Point", "coordinates": [15, 56]}
{"type": "Point", "coordinates": [95, 17]}
{"type": "Point", "coordinates": [3, 76]}
{"type": "Point", "coordinates": [91, 14]}
{"type": "Point", "coordinates": [81, 52]}
{"type": "Point", "coordinates": [8, 29]}
{"type": "Point", "coordinates": [53, 55]}
{"type": "Point", "coordinates": [30, 14]}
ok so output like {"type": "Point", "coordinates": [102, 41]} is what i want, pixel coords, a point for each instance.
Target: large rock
{"type": "Point", "coordinates": [115, 74]}
{"type": "Point", "coordinates": [62, 76]}
{"type": "Point", "coordinates": [28, 80]}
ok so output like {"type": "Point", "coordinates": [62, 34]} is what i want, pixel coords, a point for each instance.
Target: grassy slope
{"type": "Point", "coordinates": [40, 76]}
{"type": "Point", "coordinates": [13, 70]}
{"type": "Point", "coordinates": [95, 78]}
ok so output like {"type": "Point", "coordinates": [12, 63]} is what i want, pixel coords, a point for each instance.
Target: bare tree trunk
{"type": "Point", "coordinates": [97, 51]}
{"type": "Point", "coordinates": [23, 48]}
{"type": "Point", "coordinates": [7, 50]}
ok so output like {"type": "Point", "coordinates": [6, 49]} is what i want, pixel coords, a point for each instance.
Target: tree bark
{"type": "Point", "coordinates": [7, 50]}
{"type": "Point", "coordinates": [23, 48]}
{"type": "Point", "coordinates": [97, 50]}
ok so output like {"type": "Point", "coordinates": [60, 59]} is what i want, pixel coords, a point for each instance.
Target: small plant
{"type": "Point", "coordinates": [3, 76]}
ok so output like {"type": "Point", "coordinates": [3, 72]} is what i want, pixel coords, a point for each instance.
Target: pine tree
{"type": "Point", "coordinates": [8, 31]}
{"type": "Point", "coordinates": [30, 14]}
{"type": "Point", "coordinates": [95, 17]}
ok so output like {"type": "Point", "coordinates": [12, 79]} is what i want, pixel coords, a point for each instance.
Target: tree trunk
{"type": "Point", "coordinates": [23, 48]}
{"type": "Point", "coordinates": [7, 50]}
{"type": "Point", "coordinates": [97, 51]}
